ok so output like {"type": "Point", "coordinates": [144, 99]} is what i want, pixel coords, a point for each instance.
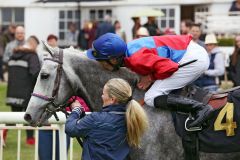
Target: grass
{"type": "Point", "coordinates": [3, 91]}
{"type": "Point", "coordinates": [27, 151]}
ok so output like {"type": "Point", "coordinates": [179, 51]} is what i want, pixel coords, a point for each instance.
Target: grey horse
{"type": "Point", "coordinates": [86, 78]}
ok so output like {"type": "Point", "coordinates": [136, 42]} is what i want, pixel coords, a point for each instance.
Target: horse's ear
{"type": "Point", "coordinates": [47, 48]}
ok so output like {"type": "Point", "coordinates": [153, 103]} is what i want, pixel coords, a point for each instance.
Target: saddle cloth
{"type": "Point", "coordinates": [223, 132]}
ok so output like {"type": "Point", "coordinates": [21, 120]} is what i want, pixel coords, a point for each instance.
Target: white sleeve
{"type": "Point", "coordinates": [219, 66]}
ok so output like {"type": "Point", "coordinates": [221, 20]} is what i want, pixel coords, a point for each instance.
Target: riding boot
{"type": "Point", "coordinates": [200, 111]}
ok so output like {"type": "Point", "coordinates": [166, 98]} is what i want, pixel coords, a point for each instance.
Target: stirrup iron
{"type": "Point", "coordinates": [191, 129]}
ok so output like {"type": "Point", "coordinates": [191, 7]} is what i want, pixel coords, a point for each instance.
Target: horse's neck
{"type": "Point", "coordinates": [93, 77]}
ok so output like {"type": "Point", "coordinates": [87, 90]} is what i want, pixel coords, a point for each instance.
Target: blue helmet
{"type": "Point", "coordinates": [107, 46]}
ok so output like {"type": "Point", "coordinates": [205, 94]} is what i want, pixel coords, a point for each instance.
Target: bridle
{"type": "Point", "coordinates": [58, 58]}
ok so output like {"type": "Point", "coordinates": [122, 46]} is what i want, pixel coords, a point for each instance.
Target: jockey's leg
{"type": "Point", "coordinates": [173, 102]}
{"type": "Point", "coordinates": [184, 76]}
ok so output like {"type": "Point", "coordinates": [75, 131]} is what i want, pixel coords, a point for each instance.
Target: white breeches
{"type": "Point", "coordinates": [184, 76]}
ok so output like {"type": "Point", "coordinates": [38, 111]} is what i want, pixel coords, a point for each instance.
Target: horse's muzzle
{"type": "Point", "coordinates": [27, 117]}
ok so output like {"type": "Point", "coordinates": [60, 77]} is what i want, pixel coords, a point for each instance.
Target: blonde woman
{"type": "Point", "coordinates": [108, 134]}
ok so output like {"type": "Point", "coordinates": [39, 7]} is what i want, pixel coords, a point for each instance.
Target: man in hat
{"type": "Point", "coordinates": [142, 32]}
{"type": "Point", "coordinates": [216, 68]}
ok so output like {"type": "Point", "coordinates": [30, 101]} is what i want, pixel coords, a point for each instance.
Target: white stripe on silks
{"type": "Point", "coordinates": [18, 63]}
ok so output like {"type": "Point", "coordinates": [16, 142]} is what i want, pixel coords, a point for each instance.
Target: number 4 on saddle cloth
{"type": "Point", "coordinates": [222, 134]}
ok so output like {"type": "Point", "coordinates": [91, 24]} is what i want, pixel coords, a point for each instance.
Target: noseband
{"type": "Point", "coordinates": [58, 58]}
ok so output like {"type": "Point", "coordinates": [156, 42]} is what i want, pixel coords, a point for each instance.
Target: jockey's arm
{"type": "Point", "coordinates": [148, 63]}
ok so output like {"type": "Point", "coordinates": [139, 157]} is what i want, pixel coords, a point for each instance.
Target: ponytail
{"type": "Point", "coordinates": [136, 117]}
{"type": "Point", "coordinates": [137, 123]}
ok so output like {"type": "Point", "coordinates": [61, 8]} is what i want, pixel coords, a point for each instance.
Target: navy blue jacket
{"type": "Point", "coordinates": [206, 80]}
{"type": "Point", "coordinates": [104, 133]}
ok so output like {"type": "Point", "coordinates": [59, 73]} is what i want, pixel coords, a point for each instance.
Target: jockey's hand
{"type": "Point", "coordinates": [145, 82]}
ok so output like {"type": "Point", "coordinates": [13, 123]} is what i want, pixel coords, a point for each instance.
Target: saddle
{"type": "Point", "coordinates": [219, 99]}
{"type": "Point", "coordinates": [215, 99]}
{"type": "Point", "coordinates": [209, 139]}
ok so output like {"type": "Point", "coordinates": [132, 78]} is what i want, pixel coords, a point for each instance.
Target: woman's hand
{"type": "Point", "coordinates": [79, 108]}
{"type": "Point", "coordinates": [75, 104]}
{"type": "Point", "coordinates": [145, 82]}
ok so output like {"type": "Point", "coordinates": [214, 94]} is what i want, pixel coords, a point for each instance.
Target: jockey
{"type": "Point", "coordinates": [157, 59]}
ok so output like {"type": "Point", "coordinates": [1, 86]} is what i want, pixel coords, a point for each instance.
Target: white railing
{"type": "Point", "coordinates": [219, 23]}
{"type": "Point", "coordinates": [17, 118]}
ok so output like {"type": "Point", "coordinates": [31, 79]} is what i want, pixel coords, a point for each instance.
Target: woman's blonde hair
{"type": "Point", "coordinates": [136, 118]}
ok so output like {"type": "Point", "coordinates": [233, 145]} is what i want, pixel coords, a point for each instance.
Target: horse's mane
{"type": "Point", "coordinates": [93, 76]}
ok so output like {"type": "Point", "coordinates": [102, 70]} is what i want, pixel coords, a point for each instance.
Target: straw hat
{"type": "Point", "coordinates": [210, 39]}
{"type": "Point", "coordinates": [142, 31]}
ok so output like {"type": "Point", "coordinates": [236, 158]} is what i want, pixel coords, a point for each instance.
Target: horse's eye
{"type": "Point", "coordinates": [44, 75]}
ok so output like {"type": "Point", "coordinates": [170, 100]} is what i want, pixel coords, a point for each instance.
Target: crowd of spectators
{"type": "Point", "coordinates": [19, 57]}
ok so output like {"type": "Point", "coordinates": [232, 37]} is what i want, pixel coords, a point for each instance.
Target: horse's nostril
{"type": "Point", "coordinates": [27, 117]}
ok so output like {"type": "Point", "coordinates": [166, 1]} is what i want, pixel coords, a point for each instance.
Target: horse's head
{"type": "Point", "coordinates": [52, 81]}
